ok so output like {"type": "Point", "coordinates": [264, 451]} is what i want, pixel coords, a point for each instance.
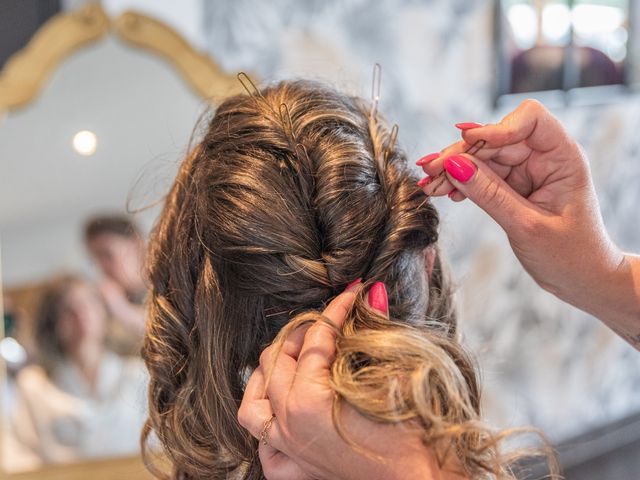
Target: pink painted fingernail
{"type": "Point", "coordinates": [425, 181]}
{"type": "Point", "coordinates": [468, 125]}
{"type": "Point", "coordinates": [352, 286]}
{"type": "Point", "coordinates": [428, 158]}
{"type": "Point", "coordinates": [378, 297]}
{"type": "Point", "coordinates": [450, 194]}
{"type": "Point", "coordinates": [460, 168]}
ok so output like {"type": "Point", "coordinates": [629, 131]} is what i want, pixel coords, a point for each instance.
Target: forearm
{"type": "Point", "coordinates": [616, 300]}
{"type": "Point", "coordinates": [623, 316]}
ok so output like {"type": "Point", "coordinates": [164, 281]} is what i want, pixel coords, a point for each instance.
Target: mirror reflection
{"type": "Point", "coordinates": [78, 397]}
{"type": "Point", "coordinates": [95, 144]}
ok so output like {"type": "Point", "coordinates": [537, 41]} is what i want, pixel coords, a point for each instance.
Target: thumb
{"type": "Point", "coordinates": [486, 189]}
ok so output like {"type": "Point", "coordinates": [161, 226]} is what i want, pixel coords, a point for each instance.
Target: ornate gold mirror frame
{"type": "Point", "coordinates": [26, 73]}
{"type": "Point", "coordinates": [23, 78]}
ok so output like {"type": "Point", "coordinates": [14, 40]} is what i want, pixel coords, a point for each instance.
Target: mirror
{"type": "Point", "coordinates": [97, 114]}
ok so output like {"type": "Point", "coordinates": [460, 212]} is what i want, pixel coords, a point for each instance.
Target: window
{"type": "Point", "coordinates": [562, 46]}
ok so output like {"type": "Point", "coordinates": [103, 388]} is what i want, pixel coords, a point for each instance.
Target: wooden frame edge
{"type": "Point", "coordinates": [27, 71]}
{"type": "Point", "coordinates": [199, 71]}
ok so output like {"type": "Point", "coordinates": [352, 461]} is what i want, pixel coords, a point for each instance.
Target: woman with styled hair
{"type": "Point", "coordinates": [291, 195]}
{"type": "Point", "coordinates": [79, 400]}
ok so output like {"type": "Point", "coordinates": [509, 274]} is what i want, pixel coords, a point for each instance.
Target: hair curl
{"type": "Point", "coordinates": [268, 219]}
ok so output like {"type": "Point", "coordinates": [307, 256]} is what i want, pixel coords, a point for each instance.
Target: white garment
{"type": "Point", "coordinates": [60, 420]}
{"type": "Point", "coordinates": [15, 457]}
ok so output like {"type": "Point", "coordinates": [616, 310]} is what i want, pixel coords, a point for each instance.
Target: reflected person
{"type": "Point", "coordinates": [79, 400]}
{"type": "Point", "coordinates": [117, 246]}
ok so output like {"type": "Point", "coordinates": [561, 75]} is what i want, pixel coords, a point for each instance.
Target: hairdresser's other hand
{"type": "Point", "coordinates": [303, 441]}
{"type": "Point", "coordinates": [534, 180]}
{"type": "Point", "coordinates": [130, 316]}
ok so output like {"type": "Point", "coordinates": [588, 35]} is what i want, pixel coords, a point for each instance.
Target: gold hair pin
{"type": "Point", "coordinates": [285, 118]}
{"type": "Point", "coordinates": [249, 86]}
{"type": "Point", "coordinates": [376, 85]}
{"type": "Point", "coordinates": [441, 177]}
{"type": "Point", "coordinates": [391, 142]}
{"type": "Point", "coordinates": [376, 82]}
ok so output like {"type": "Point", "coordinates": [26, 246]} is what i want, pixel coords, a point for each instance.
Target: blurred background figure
{"type": "Point", "coordinates": [78, 400]}
{"type": "Point", "coordinates": [117, 247]}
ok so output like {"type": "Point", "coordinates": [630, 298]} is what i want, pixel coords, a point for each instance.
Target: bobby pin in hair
{"type": "Point", "coordinates": [285, 118]}
{"type": "Point", "coordinates": [249, 86]}
{"type": "Point", "coordinates": [254, 92]}
{"type": "Point", "coordinates": [283, 113]}
{"type": "Point", "coordinates": [472, 150]}
{"type": "Point", "coordinates": [300, 148]}
{"type": "Point", "coordinates": [391, 141]}
{"type": "Point", "coordinates": [376, 82]}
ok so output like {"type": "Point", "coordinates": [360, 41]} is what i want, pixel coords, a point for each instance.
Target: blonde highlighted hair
{"type": "Point", "coordinates": [269, 219]}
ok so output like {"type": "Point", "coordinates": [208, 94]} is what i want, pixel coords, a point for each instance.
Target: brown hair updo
{"type": "Point", "coordinates": [269, 218]}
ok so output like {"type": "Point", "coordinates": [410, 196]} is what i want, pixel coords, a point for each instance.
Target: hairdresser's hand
{"type": "Point", "coordinates": [129, 315]}
{"type": "Point", "coordinates": [534, 180]}
{"type": "Point", "coordinates": [302, 440]}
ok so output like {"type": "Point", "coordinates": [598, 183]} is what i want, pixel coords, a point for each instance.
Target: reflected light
{"type": "Point", "coordinates": [524, 25]}
{"type": "Point", "coordinates": [593, 19]}
{"type": "Point", "coordinates": [617, 53]}
{"type": "Point", "coordinates": [556, 22]}
{"type": "Point", "coordinates": [12, 352]}
{"type": "Point", "coordinates": [617, 44]}
{"type": "Point", "coordinates": [85, 142]}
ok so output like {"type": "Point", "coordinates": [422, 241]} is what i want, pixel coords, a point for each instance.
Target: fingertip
{"type": "Point", "coordinates": [457, 196]}
{"type": "Point", "coordinates": [468, 125]}
{"type": "Point", "coordinates": [354, 286]}
{"type": "Point", "coordinates": [427, 159]}
{"type": "Point", "coordinates": [378, 299]}
{"type": "Point", "coordinates": [460, 167]}
{"type": "Point", "coordinates": [438, 187]}
{"type": "Point", "coordinates": [471, 135]}
{"type": "Point", "coordinates": [339, 308]}
{"type": "Point", "coordinates": [425, 181]}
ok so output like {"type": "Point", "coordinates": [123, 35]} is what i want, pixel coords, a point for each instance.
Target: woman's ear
{"type": "Point", "coordinates": [429, 260]}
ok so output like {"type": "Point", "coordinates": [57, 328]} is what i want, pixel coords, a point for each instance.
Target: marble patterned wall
{"type": "Point", "coordinates": [543, 362]}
